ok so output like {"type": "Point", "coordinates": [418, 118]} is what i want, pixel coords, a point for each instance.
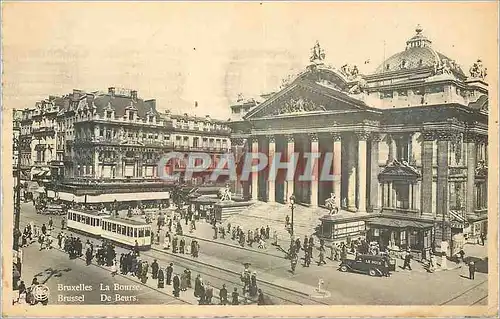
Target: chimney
{"type": "Point", "coordinates": [133, 94]}
{"type": "Point", "coordinates": [111, 91]}
{"type": "Point", "coordinates": [76, 94]}
{"type": "Point", "coordinates": [151, 103]}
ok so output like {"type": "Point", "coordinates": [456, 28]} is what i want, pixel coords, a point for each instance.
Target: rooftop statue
{"type": "Point", "coordinates": [318, 54]}
{"type": "Point", "coordinates": [477, 70]}
{"type": "Point", "coordinates": [350, 72]}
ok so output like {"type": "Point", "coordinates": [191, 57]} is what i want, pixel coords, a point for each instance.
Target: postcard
{"type": "Point", "coordinates": [169, 159]}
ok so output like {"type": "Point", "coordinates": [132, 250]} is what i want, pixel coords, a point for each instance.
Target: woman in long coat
{"type": "Point", "coordinates": [161, 279]}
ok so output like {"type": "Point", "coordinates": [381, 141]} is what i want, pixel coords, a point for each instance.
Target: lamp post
{"type": "Point", "coordinates": [17, 194]}
{"type": "Point", "coordinates": [292, 202]}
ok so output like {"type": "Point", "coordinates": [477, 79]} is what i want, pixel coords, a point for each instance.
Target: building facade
{"type": "Point", "coordinates": [101, 143]}
{"type": "Point", "coordinates": [409, 146]}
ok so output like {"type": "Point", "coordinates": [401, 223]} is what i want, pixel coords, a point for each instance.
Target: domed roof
{"type": "Point", "coordinates": [418, 54]}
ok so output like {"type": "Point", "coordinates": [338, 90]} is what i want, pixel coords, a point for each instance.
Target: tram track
{"type": "Point", "coordinates": [214, 274]}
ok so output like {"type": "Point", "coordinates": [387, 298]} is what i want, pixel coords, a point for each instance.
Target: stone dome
{"type": "Point", "coordinates": [418, 54]}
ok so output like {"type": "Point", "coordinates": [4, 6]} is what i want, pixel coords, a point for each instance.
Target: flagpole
{"type": "Point", "coordinates": [383, 61]}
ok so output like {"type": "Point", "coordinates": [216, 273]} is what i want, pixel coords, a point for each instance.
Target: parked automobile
{"type": "Point", "coordinates": [373, 265]}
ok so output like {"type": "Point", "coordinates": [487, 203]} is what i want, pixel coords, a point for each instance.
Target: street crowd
{"type": "Point", "coordinates": [131, 263]}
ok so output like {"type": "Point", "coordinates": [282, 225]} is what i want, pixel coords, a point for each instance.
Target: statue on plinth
{"type": "Point", "coordinates": [225, 194]}
{"type": "Point", "coordinates": [318, 54]}
{"type": "Point", "coordinates": [331, 204]}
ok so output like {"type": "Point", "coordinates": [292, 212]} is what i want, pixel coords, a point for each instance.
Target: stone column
{"type": "Point", "coordinates": [95, 165]}
{"type": "Point", "coordinates": [391, 143]}
{"type": "Point", "coordinates": [374, 171]}
{"type": "Point", "coordinates": [389, 194]}
{"type": "Point", "coordinates": [337, 166]}
{"type": "Point", "coordinates": [255, 173]}
{"type": "Point", "coordinates": [442, 200]}
{"type": "Point", "coordinates": [290, 184]}
{"type": "Point", "coordinates": [470, 140]}
{"type": "Point", "coordinates": [362, 138]}
{"type": "Point", "coordinates": [351, 185]}
{"type": "Point", "coordinates": [427, 150]}
{"type": "Point", "coordinates": [271, 196]}
{"type": "Point", "coordinates": [236, 145]}
{"type": "Point", "coordinates": [119, 165]}
{"type": "Point", "coordinates": [315, 170]}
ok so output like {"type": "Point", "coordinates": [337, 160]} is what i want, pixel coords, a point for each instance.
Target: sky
{"type": "Point", "coordinates": [179, 53]}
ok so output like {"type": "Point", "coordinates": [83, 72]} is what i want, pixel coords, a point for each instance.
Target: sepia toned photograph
{"type": "Point", "coordinates": [210, 158]}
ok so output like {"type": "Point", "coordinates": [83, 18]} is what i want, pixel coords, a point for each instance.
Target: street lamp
{"type": "Point", "coordinates": [292, 202]}
{"type": "Point", "coordinates": [17, 194]}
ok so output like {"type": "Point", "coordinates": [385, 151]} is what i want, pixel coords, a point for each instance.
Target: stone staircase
{"type": "Point", "coordinates": [261, 214]}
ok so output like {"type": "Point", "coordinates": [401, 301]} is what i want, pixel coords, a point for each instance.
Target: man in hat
{"type": "Point", "coordinates": [154, 269]}
{"type": "Point", "coordinates": [170, 270]}
{"type": "Point", "coordinates": [472, 270]}
{"type": "Point", "coordinates": [177, 285]}
{"type": "Point", "coordinates": [223, 295]}
{"type": "Point", "coordinates": [407, 260]}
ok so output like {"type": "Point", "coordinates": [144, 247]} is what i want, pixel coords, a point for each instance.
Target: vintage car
{"type": "Point", "coordinates": [373, 265]}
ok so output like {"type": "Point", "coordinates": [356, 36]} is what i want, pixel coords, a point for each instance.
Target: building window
{"type": "Point", "coordinates": [131, 116]}
{"type": "Point", "coordinates": [402, 195]}
{"type": "Point", "coordinates": [196, 142]}
{"type": "Point", "coordinates": [108, 114]}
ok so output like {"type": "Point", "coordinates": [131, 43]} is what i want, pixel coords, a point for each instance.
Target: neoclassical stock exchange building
{"type": "Point", "coordinates": [409, 146]}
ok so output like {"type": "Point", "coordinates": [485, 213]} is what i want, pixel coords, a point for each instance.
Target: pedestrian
{"type": "Point", "coordinates": [268, 231]}
{"type": "Point", "coordinates": [170, 270]}
{"type": "Point", "coordinates": [293, 262]}
{"type": "Point", "coordinates": [184, 281]}
{"type": "Point", "coordinates": [197, 285]}
{"type": "Point", "coordinates": [63, 223]}
{"type": "Point", "coordinates": [114, 268]}
{"type": "Point", "coordinates": [202, 294]}
{"type": "Point", "coordinates": [461, 254]}
{"type": "Point", "coordinates": [321, 256]}
{"type": "Point", "coordinates": [260, 298]}
{"type": "Point", "coordinates": [472, 270]}
{"type": "Point", "coordinates": [176, 284]}
{"type": "Point", "coordinates": [88, 257]}
{"type": "Point", "coordinates": [287, 221]}
{"type": "Point", "coordinates": [235, 297]}
{"type": "Point", "coordinates": [223, 294]}
{"type": "Point", "coordinates": [182, 244]}
{"type": "Point", "coordinates": [154, 269]}
{"type": "Point", "coordinates": [161, 279]}
{"type": "Point", "coordinates": [407, 259]}
{"type": "Point", "coordinates": [483, 238]}
{"type": "Point", "coordinates": [209, 293]}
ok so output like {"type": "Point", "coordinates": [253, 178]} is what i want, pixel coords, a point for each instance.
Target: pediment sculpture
{"type": "Point", "coordinates": [298, 105]}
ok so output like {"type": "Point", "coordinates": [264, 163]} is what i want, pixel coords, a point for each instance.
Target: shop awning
{"type": "Point", "coordinates": [397, 223]}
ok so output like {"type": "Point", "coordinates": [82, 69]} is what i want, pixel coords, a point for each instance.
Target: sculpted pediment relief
{"type": "Point", "coordinates": [298, 105]}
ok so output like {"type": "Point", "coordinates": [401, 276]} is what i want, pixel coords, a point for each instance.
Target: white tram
{"type": "Point", "coordinates": [127, 232]}
{"type": "Point", "coordinates": [86, 221]}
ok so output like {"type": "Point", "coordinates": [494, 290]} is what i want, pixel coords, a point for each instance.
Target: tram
{"type": "Point", "coordinates": [86, 221]}
{"type": "Point", "coordinates": [127, 232]}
